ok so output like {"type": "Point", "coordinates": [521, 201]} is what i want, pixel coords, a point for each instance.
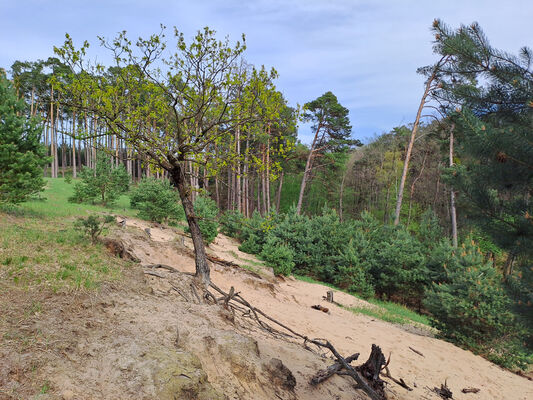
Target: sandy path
{"type": "Point", "coordinates": [290, 301]}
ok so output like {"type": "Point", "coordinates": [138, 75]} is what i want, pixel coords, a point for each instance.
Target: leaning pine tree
{"type": "Point", "coordinates": [21, 154]}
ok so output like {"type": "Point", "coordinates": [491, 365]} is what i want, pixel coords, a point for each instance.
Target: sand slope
{"type": "Point", "coordinates": [290, 302]}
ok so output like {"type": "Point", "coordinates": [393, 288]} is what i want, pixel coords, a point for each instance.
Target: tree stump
{"type": "Point", "coordinates": [371, 369]}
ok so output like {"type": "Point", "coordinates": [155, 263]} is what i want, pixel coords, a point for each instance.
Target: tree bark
{"type": "Point", "coordinates": [427, 90]}
{"type": "Point", "coordinates": [452, 194]}
{"type": "Point", "coordinates": [74, 172]}
{"type": "Point", "coordinates": [177, 174]}
{"type": "Point", "coordinates": [308, 166]}
{"type": "Point", "coordinates": [278, 195]}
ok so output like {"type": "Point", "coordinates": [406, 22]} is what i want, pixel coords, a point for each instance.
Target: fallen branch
{"type": "Point", "coordinates": [325, 374]}
{"type": "Point", "coordinates": [162, 266]}
{"type": "Point", "coordinates": [416, 351]}
{"type": "Point", "coordinates": [153, 274]}
{"type": "Point", "coordinates": [470, 390]}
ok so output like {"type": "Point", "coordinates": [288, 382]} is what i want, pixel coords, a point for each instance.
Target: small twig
{"type": "Point", "coordinates": [470, 390]}
{"type": "Point", "coordinates": [162, 266]}
{"type": "Point", "coordinates": [417, 352]}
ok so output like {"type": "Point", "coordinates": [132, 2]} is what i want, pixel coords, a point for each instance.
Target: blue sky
{"type": "Point", "coordinates": [366, 52]}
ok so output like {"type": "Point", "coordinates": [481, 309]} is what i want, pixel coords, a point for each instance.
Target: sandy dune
{"type": "Point", "coordinates": [290, 302]}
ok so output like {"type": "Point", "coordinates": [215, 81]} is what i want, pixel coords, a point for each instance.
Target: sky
{"type": "Point", "coordinates": [365, 52]}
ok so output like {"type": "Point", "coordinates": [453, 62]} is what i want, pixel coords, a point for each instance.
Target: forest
{"type": "Point", "coordinates": [435, 215]}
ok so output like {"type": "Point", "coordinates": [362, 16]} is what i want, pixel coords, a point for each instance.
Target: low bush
{"type": "Point", "coordinates": [278, 256]}
{"type": "Point", "coordinates": [103, 184]}
{"type": "Point", "coordinates": [93, 225]}
{"type": "Point", "coordinates": [156, 200]}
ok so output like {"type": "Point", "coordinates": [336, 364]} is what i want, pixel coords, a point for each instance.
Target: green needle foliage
{"type": "Point", "coordinates": [156, 200]}
{"type": "Point", "coordinates": [21, 154]}
{"type": "Point", "coordinates": [102, 185]}
{"type": "Point", "coordinates": [93, 225]}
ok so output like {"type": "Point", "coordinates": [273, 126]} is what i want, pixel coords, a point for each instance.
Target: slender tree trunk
{"type": "Point", "coordinates": [32, 100]}
{"type": "Point", "coordinates": [308, 166]}
{"type": "Point", "coordinates": [267, 172]}
{"type": "Point", "coordinates": [238, 194]}
{"type": "Point", "coordinates": [452, 194]}
{"type": "Point", "coordinates": [411, 142]}
{"type": "Point", "coordinates": [179, 179]}
{"type": "Point", "coordinates": [411, 192]}
{"type": "Point", "coordinates": [341, 195]}
{"type": "Point", "coordinates": [74, 172]}
{"type": "Point", "coordinates": [278, 195]}
{"type": "Point", "coordinates": [263, 184]}
{"type": "Point", "coordinates": [52, 139]}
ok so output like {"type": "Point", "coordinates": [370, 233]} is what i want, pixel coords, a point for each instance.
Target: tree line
{"type": "Point", "coordinates": [198, 114]}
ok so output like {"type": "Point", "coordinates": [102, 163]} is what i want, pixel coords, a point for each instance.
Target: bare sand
{"type": "Point", "coordinates": [290, 301]}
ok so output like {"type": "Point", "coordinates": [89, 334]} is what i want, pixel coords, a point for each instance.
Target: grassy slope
{"type": "Point", "coordinates": [39, 247]}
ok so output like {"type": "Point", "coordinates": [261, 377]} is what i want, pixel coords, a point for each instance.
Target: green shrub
{"type": "Point", "coordinates": [278, 256]}
{"type": "Point", "coordinates": [394, 259]}
{"type": "Point", "coordinates": [68, 179]}
{"type": "Point", "coordinates": [253, 233]}
{"type": "Point", "coordinates": [471, 308]}
{"type": "Point", "coordinates": [93, 225]}
{"type": "Point", "coordinates": [231, 223]}
{"type": "Point", "coordinates": [156, 200]}
{"type": "Point", "coordinates": [351, 274]}
{"type": "Point", "coordinates": [206, 210]}
{"type": "Point", "coordinates": [103, 184]}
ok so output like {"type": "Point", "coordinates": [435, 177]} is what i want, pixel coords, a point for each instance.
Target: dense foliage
{"type": "Point", "coordinates": [103, 184]}
{"type": "Point", "coordinates": [206, 211]}
{"type": "Point", "coordinates": [22, 156]}
{"type": "Point", "coordinates": [471, 307]}
{"type": "Point", "coordinates": [156, 200]}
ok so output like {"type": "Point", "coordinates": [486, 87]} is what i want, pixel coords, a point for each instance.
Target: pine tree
{"type": "Point", "coordinates": [21, 154]}
{"type": "Point", "coordinates": [489, 94]}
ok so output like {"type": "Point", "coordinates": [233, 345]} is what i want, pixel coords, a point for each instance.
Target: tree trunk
{"type": "Point", "coordinates": [74, 172]}
{"type": "Point", "coordinates": [177, 174]}
{"type": "Point", "coordinates": [308, 166]}
{"type": "Point", "coordinates": [452, 194]}
{"type": "Point", "coordinates": [413, 188]}
{"type": "Point", "coordinates": [278, 195]}
{"type": "Point", "coordinates": [341, 195]}
{"type": "Point", "coordinates": [411, 142]}
{"type": "Point", "coordinates": [52, 136]}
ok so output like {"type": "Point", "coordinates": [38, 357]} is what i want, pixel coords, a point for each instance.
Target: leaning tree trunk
{"type": "Point", "coordinates": [427, 91]}
{"type": "Point", "coordinates": [307, 170]}
{"type": "Point", "coordinates": [177, 174]}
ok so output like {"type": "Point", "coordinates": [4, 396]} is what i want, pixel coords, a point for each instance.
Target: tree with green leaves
{"type": "Point", "coordinates": [332, 132]}
{"type": "Point", "coordinates": [22, 156]}
{"type": "Point", "coordinates": [172, 105]}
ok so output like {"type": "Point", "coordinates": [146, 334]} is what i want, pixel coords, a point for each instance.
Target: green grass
{"type": "Point", "coordinates": [39, 246]}
{"type": "Point", "coordinates": [52, 254]}
{"type": "Point", "coordinates": [53, 202]}
{"type": "Point", "coordinates": [384, 310]}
